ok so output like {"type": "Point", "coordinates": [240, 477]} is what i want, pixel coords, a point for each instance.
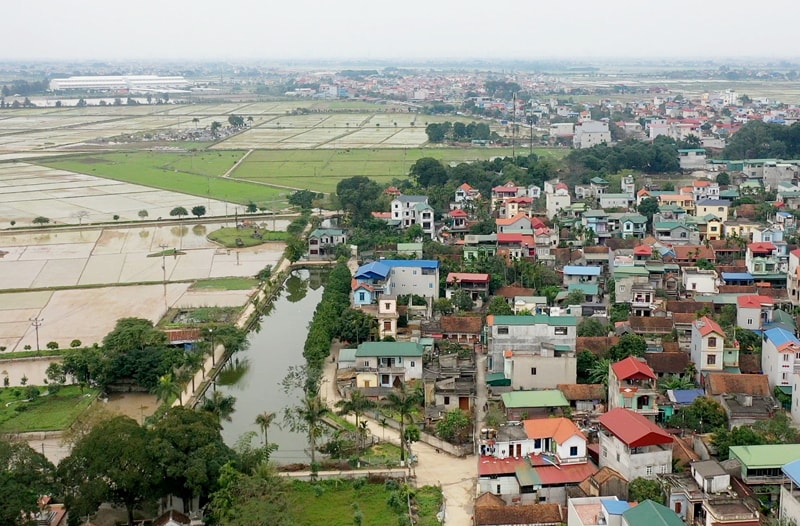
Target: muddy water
{"type": "Point", "coordinates": [253, 376]}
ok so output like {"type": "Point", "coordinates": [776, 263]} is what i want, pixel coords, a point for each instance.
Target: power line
{"type": "Point", "coordinates": [36, 323]}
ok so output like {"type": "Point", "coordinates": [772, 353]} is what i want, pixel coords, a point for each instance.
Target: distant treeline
{"type": "Point", "coordinates": [23, 87]}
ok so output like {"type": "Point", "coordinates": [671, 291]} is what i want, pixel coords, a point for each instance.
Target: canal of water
{"type": "Point", "coordinates": [254, 376]}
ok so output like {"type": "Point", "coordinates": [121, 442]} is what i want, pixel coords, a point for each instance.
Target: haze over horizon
{"type": "Point", "coordinates": [308, 30]}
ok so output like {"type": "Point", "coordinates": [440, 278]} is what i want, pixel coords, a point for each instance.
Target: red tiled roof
{"type": "Point", "coordinates": [488, 466]}
{"type": "Point", "coordinates": [461, 324]}
{"type": "Point", "coordinates": [183, 335]}
{"type": "Point", "coordinates": [706, 326]}
{"type": "Point", "coordinates": [667, 362]}
{"type": "Point", "coordinates": [634, 429]}
{"type": "Point", "coordinates": [643, 250]}
{"type": "Point", "coordinates": [469, 277]}
{"type": "Point", "coordinates": [537, 223]}
{"type": "Point", "coordinates": [583, 391]}
{"type": "Point", "coordinates": [457, 213]}
{"type": "Point", "coordinates": [465, 186]}
{"type": "Point", "coordinates": [694, 252]}
{"type": "Point", "coordinates": [630, 367]}
{"type": "Point", "coordinates": [561, 186]}
{"type": "Point", "coordinates": [531, 514]}
{"type": "Point", "coordinates": [509, 238]}
{"type": "Point", "coordinates": [795, 252]}
{"type": "Point", "coordinates": [565, 473]}
{"type": "Point", "coordinates": [504, 189]}
{"type": "Point", "coordinates": [761, 246]}
{"type": "Point", "coordinates": [754, 301]}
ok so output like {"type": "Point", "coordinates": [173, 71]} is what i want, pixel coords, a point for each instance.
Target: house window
{"type": "Point", "coordinates": [412, 363]}
{"type": "Point", "coordinates": [387, 325]}
{"type": "Point", "coordinates": [573, 451]}
{"type": "Point", "coordinates": [537, 443]}
{"type": "Point", "coordinates": [785, 357]}
{"type": "Point", "coordinates": [720, 209]}
{"type": "Point", "coordinates": [498, 489]}
{"type": "Point", "coordinates": [502, 330]}
{"type": "Point", "coordinates": [561, 331]}
{"type": "Point", "coordinates": [678, 507]}
{"type": "Point", "coordinates": [712, 342]}
{"type": "Point", "coordinates": [648, 470]}
{"type": "Point", "coordinates": [605, 451]}
{"type": "Point", "coordinates": [749, 321]}
{"type": "Point", "coordinates": [533, 371]}
{"type": "Point", "coordinates": [366, 363]}
{"type": "Point", "coordinates": [711, 359]}
{"type": "Point", "coordinates": [446, 400]}
{"type": "Point", "coordinates": [387, 306]}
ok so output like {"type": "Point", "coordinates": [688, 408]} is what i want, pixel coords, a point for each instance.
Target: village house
{"type": "Point", "coordinates": [790, 493]}
{"type": "Point", "coordinates": [707, 347]}
{"type": "Point", "coordinates": [408, 210]}
{"type": "Point", "coordinates": [754, 311]}
{"type": "Point", "coordinates": [492, 510]}
{"type": "Point", "coordinates": [387, 364]}
{"type": "Point", "coordinates": [521, 405]}
{"type": "Point", "coordinates": [574, 274]}
{"type": "Point", "coordinates": [634, 446]}
{"type": "Point", "coordinates": [632, 385]}
{"type": "Point", "coordinates": [648, 513]}
{"type": "Point", "coordinates": [476, 284]}
{"type": "Point", "coordinates": [699, 281]}
{"type": "Point", "coordinates": [397, 277]}
{"type": "Point", "coordinates": [763, 464]}
{"type": "Point", "coordinates": [552, 337]}
{"type": "Point", "coordinates": [322, 242]}
{"type": "Point", "coordinates": [780, 356]}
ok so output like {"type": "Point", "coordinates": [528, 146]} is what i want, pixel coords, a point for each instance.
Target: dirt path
{"type": "Point", "coordinates": [236, 164]}
{"type": "Point", "coordinates": [457, 476]}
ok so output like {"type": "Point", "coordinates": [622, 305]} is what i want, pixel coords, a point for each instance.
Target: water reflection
{"type": "Point", "coordinates": [255, 380]}
{"type": "Point", "coordinates": [296, 288]}
{"type": "Point", "coordinates": [234, 370]}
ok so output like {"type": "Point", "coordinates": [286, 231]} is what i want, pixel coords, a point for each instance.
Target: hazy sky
{"type": "Point", "coordinates": [416, 29]}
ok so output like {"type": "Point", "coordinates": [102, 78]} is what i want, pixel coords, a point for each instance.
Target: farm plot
{"type": "Point", "coordinates": [28, 191]}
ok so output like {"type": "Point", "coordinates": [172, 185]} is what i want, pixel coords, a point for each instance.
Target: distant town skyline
{"type": "Point", "coordinates": [411, 30]}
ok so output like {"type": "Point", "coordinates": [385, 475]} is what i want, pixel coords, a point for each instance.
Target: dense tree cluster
{"type": "Point", "coordinates": [24, 87]}
{"type": "Point", "coordinates": [659, 156]}
{"type": "Point", "coordinates": [458, 131]}
{"type": "Point", "coordinates": [335, 301]}
{"type": "Point", "coordinates": [760, 140]}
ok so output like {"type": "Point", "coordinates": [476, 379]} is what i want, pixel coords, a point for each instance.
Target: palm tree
{"type": "Point", "coordinates": [263, 421]}
{"type": "Point", "coordinates": [677, 382]}
{"type": "Point", "coordinates": [220, 405]}
{"type": "Point", "coordinates": [195, 121]}
{"type": "Point", "coordinates": [250, 120]}
{"type": "Point", "coordinates": [167, 388]}
{"type": "Point", "coordinates": [358, 404]}
{"type": "Point", "coordinates": [404, 403]}
{"type": "Point", "coordinates": [598, 374]}
{"type": "Point", "coordinates": [311, 411]}
{"type": "Point", "coordinates": [193, 361]}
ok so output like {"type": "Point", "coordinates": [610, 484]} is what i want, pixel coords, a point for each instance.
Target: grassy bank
{"type": "Point", "coordinates": [20, 413]}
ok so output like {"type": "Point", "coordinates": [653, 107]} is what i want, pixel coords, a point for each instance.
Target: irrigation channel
{"type": "Point", "coordinates": [254, 376]}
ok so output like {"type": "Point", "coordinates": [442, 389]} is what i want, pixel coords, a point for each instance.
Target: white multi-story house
{"type": "Point", "coordinates": [754, 311]}
{"type": "Point", "coordinates": [466, 194]}
{"type": "Point", "coordinates": [557, 200]}
{"type": "Point", "coordinates": [413, 210]}
{"type": "Point", "coordinates": [780, 356]}
{"type": "Point", "coordinates": [632, 385]}
{"type": "Point", "coordinates": [692, 158]}
{"type": "Point", "coordinates": [633, 446]}
{"type": "Point", "coordinates": [387, 364]}
{"type": "Point", "coordinates": [591, 133]}
{"type": "Point", "coordinates": [793, 277]}
{"type": "Point", "coordinates": [707, 347]}
{"type": "Point", "coordinates": [615, 201]}
{"type": "Point", "coordinates": [581, 274]}
{"type": "Point", "coordinates": [533, 351]}
{"type": "Point", "coordinates": [699, 281]}
{"type": "Point", "coordinates": [396, 277]}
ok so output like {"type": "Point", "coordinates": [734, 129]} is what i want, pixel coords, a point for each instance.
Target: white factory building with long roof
{"type": "Point", "coordinates": [120, 82]}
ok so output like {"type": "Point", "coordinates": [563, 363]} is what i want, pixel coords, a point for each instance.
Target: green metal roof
{"type": "Point", "coordinates": [633, 218]}
{"type": "Point", "coordinates": [661, 225]}
{"type": "Point", "coordinates": [527, 476]}
{"type": "Point", "coordinates": [615, 196]}
{"type": "Point", "coordinates": [598, 180]}
{"type": "Point", "coordinates": [731, 194]}
{"type": "Point", "coordinates": [765, 456]}
{"type": "Point", "coordinates": [586, 288]}
{"type": "Point", "coordinates": [563, 347]}
{"type": "Point", "coordinates": [649, 513]}
{"type": "Point", "coordinates": [347, 355]}
{"type": "Point", "coordinates": [388, 349]}
{"type": "Point", "coordinates": [536, 320]}
{"type": "Point", "coordinates": [548, 398]}
{"type": "Point", "coordinates": [497, 379]}
{"type": "Point", "coordinates": [689, 150]}
{"type": "Point", "coordinates": [595, 213]}
{"type": "Point", "coordinates": [718, 299]}
{"type": "Point", "coordinates": [671, 208]}
{"type": "Point", "coordinates": [785, 389]}
{"type": "Point", "coordinates": [630, 271]}
{"type": "Point", "coordinates": [781, 316]}
{"type": "Point", "coordinates": [326, 232]}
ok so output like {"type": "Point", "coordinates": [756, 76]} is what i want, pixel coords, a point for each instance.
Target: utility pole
{"type": "Point", "coordinates": [36, 323]}
{"type": "Point", "coordinates": [513, 125]}
{"type": "Point", "coordinates": [163, 248]}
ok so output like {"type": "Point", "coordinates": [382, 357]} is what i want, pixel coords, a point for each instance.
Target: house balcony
{"type": "Point", "coordinates": [764, 479]}
{"type": "Point", "coordinates": [381, 370]}
{"type": "Point", "coordinates": [642, 302]}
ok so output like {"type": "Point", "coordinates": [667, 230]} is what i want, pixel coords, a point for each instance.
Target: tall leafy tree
{"type": "Point", "coordinates": [178, 212]}
{"type": "Point", "coordinates": [112, 463]}
{"type": "Point", "coordinates": [358, 196]}
{"type": "Point", "coordinates": [167, 387]}
{"type": "Point", "coordinates": [263, 421]}
{"type": "Point", "coordinates": [703, 414]}
{"type": "Point", "coordinates": [198, 210]}
{"type": "Point", "coordinates": [247, 500]}
{"type": "Point", "coordinates": [25, 475]}
{"type": "Point", "coordinates": [189, 448]}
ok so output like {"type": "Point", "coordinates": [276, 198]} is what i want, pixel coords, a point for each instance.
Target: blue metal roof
{"type": "Point", "coordinates": [615, 507]}
{"type": "Point", "coordinates": [792, 470]}
{"type": "Point", "coordinates": [737, 276]}
{"type": "Point", "coordinates": [780, 337]}
{"type": "Point", "coordinates": [686, 396]}
{"type": "Point", "coordinates": [380, 269]}
{"type": "Point", "coordinates": [577, 270]}
{"type": "Point", "coordinates": [376, 269]}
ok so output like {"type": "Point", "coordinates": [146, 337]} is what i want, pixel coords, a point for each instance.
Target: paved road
{"type": "Point", "coordinates": [457, 476]}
